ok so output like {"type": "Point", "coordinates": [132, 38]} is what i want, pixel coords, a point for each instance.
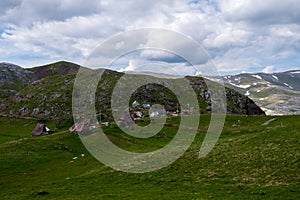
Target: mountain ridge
{"type": "Point", "coordinates": [276, 93]}
{"type": "Point", "coordinates": [50, 96]}
{"type": "Point", "coordinates": [52, 69]}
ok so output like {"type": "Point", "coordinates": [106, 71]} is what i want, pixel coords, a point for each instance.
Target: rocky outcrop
{"type": "Point", "coordinates": [13, 78]}
{"type": "Point", "coordinates": [51, 96]}
{"type": "Point", "coordinates": [242, 104]}
{"type": "Point", "coordinates": [276, 93]}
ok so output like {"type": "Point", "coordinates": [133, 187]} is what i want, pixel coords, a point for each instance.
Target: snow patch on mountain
{"type": "Point", "coordinates": [288, 85]}
{"type": "Point", "coordinates": [275, 77]}
{"type": "Point", "coordinates": [257, 76]}
{"type": "Point", "coordinates": [296, 72]}
{"type": "Point", "coordinates": [239, 86]}
{"type": "Point", "coordinates": [278, 93]}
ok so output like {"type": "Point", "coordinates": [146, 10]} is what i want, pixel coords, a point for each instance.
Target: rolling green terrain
{"type": "Point", "coordinates": [250, 161]}
{"type": "Point", "coordinates": [48, 91]}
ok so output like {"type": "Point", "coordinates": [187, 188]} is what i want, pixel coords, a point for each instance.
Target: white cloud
{"type": "Point", "coordinates": [228, 36]}
{"type": "Point", "coordinates": [177, 69]}
{"type": "Point", "coordinates": [269, 69]}
{"type": "Point", "coordinates": [262, 12]}
{"type": "Point", "coordinates": [157, 55]}
{"type": "Point", "coordinates": [238, 35]}
{"type": "Point", "coordinates": [28, 12]}
{"type": "Point", "coordinates": [133, 65]}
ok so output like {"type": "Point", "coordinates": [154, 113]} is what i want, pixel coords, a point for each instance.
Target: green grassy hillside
{"type": "Point", "coordinates": [54, 69]}
{"type": "Point", "coordinates": [250, 161]}
{"type": "Point", "coordinates": [51, 97]}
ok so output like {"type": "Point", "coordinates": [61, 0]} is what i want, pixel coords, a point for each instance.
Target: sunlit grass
{"type": "Point", "coordinates": [250, 161]}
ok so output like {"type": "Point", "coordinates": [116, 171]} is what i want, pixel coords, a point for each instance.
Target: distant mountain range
{"type": "Point", "coordinates": [46, 92]}
{"type": "Point", "coordinates": [276, 93]}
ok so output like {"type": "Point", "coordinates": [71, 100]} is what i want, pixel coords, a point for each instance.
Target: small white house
{"type": "Point", "coordinates": [135, 104]}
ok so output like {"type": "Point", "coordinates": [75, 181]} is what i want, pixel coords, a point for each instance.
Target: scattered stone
{"type": "Point", "coordinates": [268, 122]}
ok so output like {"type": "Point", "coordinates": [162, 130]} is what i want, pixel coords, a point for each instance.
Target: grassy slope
{"type": "Point", "coordinates": [54, 69]}
{"type": "Point", "coordinates": [250, 161]}
{"type": "Point", "coordinates": [51, 97]}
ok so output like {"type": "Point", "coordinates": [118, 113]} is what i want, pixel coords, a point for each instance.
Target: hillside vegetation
{"type": "Point", "coordinates": [54, 69]}
{"type": "Point", "coordinates": [250, 161]}
{"type": "Point", "coordinates": [49, 96]}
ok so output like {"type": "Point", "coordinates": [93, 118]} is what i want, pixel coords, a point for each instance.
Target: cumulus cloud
{"type": "Point", "coordinates": [238, 35]}
{"type": "Point", "coordinates": [133, 65]}
{"type": "Point", "coordinates": [28, 12]}
{"type": "Point", "coordinates": [268, 69]}
{"type": "Point", "coordinates": [262, 12]}
{"type": "Point", "coordinates": [177, 69]}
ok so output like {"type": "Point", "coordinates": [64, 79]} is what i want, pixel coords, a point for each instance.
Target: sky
{"type": "Point", "coordinates": [239, 35]}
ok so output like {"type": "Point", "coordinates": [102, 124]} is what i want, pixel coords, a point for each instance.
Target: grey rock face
{"type": "Point", "coordinates": [51, 98]}
{"type": "Point", "coordinates": [13, 78]}
{"type": "Point", "coordinates": [276, 93]}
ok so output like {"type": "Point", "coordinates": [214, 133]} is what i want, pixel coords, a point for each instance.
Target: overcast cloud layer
{"type": "Point", "coordinates": [239, 35]}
